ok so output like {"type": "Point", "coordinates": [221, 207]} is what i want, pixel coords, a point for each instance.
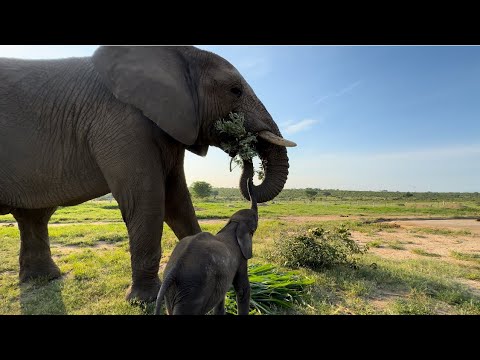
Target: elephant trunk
{"type": "Point", "coordinates": [251, 193]}
{"type": "Point", "coordinates": [276, 166]}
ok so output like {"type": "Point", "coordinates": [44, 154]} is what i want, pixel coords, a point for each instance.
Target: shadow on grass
{"type": "Point", "coordinates": [368, 282]}
{"type": "Point", "coordinates": [42, 297]}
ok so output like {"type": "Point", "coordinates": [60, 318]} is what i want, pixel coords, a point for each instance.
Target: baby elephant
{"type": "Point", "coordinates": [202, 267]}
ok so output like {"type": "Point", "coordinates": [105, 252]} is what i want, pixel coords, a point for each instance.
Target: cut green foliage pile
{"type": "Point", "coordinates": [240, 142]}
{"type": "Point", "coordinates": [317, 248]}
{"type": "Point", "coordinates": [271, 290]}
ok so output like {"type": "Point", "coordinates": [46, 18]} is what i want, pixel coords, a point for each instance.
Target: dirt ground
{"type": "Point", "coordinates": [404, 235]}
{"type": "Point", "coordinates": [471, 225]}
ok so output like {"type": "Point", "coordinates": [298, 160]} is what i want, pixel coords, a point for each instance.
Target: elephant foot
{"type": "Point", "coordinates": [143, 293]}
{"type": "Point", "coordinates": [46, 269]}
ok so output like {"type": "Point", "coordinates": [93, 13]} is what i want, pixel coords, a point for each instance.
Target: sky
{"type": "Point", "coordinates": [396, 118]}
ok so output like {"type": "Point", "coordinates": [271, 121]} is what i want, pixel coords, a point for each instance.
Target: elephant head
{"type": "Point", "coordinates": [185, 90]}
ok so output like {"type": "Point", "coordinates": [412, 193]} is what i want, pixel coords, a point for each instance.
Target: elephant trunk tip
{"type": "Point", "coordinates": [251, 194]}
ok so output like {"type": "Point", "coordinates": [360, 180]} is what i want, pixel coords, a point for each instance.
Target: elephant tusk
{"type": "Point", "coordinates": [274, 139]}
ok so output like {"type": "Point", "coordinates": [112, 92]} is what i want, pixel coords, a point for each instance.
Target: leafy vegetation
{"type": "Point", "coordinates": [90, 244]}
{"type": "Point", "coordinates": [317, 248]}
{"type": "Point", "coordinates": [465, 256]}
{"type": "Point", "coordinates": [424, 253]}
{"type": "Point", "coordinates": [311, 193]}
{"type": "Point", "coordinates": [271, 290]}
{"type": "Point", "coordinates": [202, 189]}
{"type": "Point", "coordinates": [238, 141]}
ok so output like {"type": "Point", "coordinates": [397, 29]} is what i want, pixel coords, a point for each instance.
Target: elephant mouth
{"type": "Point", "coordinates": [238, 142]}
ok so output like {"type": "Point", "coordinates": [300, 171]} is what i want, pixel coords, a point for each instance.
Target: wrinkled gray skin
{"type": "Point", "coordinates": [202, 268]}
{"type": "Point", "coordinates": [75, 129]}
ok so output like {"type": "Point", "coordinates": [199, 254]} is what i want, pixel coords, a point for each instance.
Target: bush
{"type": "Point", "coordinates": [311, 193]}
{"type": "Point", "coordinates": [202, 189]}
{"type": "Point", "coordinates": [317, 248]}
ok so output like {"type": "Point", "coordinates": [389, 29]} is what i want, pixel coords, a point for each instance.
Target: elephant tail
{"type": "Point", "coordinates": [167, 281]}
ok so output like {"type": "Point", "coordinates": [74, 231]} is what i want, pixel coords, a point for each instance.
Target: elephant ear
{"type": "Point", "coordinates": [154, 79]}
{"type": "Point", "coordinates": [200, 150]}
{"type": "Point", "coordinates": [244, 240]}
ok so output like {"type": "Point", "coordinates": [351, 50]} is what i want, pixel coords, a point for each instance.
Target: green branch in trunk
{"type": "Point", "coordinates": [240, 141]}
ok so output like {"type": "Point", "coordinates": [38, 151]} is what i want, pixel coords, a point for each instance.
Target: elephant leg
{"type": "Point", "coordinates": [220, 308]}
{"type": "Point", "coordinates": [241, 284]}
{"type": "Point", "coordinates": [35, 256]}
{"type": "Point", "coordinates": [142, 208]}
{"type": "Point", "coordinates": [179, 211]}
{"type": "Point", "coordinates": [187, 309]}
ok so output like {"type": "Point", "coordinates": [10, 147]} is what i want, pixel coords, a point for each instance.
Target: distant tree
{"type": "Point", "coordinates": [311, 193]}
{"type": "Point", "coordinates": [214, 194]}
{"type": "Point", "coordinates": [202, 189]}
{"type": "Point", "coordinates": [408, 194]}
{"type": "Point", "coordinates": [327, 193]}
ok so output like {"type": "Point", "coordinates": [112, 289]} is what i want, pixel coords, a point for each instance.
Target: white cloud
{"type": "Point", "coordinates": [348, 88]}
{"type": "Point", "coordinates": [343, 91]}
{"type": "Point", "coordinates": [322, 99]}
{"type": "Point", "coordinates": [293, 128]}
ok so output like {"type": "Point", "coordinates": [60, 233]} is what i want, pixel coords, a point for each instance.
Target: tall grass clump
{"type": "Point", "coordinates": [317, 248]}
{"type": "Point", "coordinates": [271, 290]}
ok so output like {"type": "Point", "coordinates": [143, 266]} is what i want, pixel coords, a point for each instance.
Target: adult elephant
{"type": "Point", "coordinates": [75, 129]}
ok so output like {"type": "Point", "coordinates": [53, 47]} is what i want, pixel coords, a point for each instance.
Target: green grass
{"type": "Point", "coordinates": [422, 284]}
{"type": "Point", "coordinates": [374, 244]}
{"type": "Point", "coordinates": [396, 245]}
{"type": "Point", "coordinates": [423, 253]}
{"type": "Point", "coordinates": [108, 211]}
{"type": "Point", "coordinates": [465, 256]}
{"type": "Point", "coordinates": [95, 262]}
{"type": "Point", "coordinates": [271, 290]}
{"type": "Point", "coordinates": [445, 232]}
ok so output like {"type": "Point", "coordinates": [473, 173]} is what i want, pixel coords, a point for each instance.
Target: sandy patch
{"type": "Point", "coordinates": [472, 225]}
{"type": "Point", "coordinates": [383, 298]}
{"type": "Point", "coordinates": [472, 285]}
{"type": "Point", "coordinates": [431, 243]}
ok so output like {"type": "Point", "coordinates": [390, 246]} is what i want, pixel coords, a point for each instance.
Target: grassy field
{"type": "Point", "coordinates": [108, 211]}
{"type": "Point", "coordinates": [409, 268]}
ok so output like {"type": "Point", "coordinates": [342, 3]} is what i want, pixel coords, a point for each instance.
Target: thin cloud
{"type": "Point", "coordinates": [257, 67]}
{"type": "Point", "coordinates": [322, 99]}
{"type": "Point", "coordinates": [293, 128]}
{"type": "Point", "coordinates": [343, 91]}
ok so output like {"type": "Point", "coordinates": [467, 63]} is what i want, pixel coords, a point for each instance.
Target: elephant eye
{"type": "Point", "coordinates": [236, 91]}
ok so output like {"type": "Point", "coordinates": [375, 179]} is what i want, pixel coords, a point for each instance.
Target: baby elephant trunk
{"type": "Point", "coordinates": [251, 194]}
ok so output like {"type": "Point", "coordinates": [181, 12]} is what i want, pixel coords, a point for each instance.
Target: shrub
{"type": "Point", "coordinates": [202, 189]}
{"type": "Point", "coordinates": [311, 193]}
{"type": "Point", "coordinates": [317, 248]}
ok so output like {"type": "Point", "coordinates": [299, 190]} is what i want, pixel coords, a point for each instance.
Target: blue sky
{"type": "Point", "coordinates": [401, 118]}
